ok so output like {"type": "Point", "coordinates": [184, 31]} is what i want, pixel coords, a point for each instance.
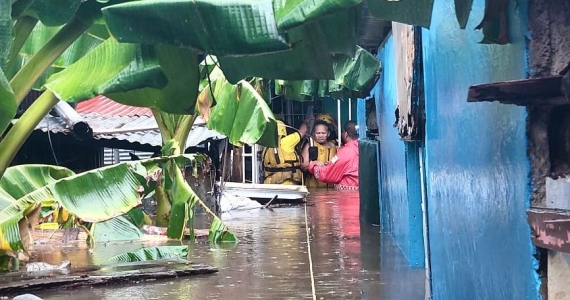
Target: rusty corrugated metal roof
{"type": "Point", "coordinates": [107, 107]}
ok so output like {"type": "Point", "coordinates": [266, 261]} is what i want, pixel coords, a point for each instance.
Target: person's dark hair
{"type": "Point", "coordinates": [320, 122]}
{"type": "Point", "coordinates": [350, 129]}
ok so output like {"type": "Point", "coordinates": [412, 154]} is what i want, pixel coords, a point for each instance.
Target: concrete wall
{"type": "Point", "coordinates": [399, 201]}
{"type": "Point", "coordinates": [549, 54]}
{"type": "Point", "coordinates": [476, 163]}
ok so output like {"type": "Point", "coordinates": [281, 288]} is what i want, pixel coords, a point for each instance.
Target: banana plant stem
{"type": "Point", "coordinates": [23, 128]}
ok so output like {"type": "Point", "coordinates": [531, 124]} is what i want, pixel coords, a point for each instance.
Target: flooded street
{"type": "Point", "coordinates": [273, 259]}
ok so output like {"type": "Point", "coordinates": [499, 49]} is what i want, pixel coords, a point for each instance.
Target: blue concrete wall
{"type": "Point", "coordinates": [399, 201]}
{"type": "Point", "coordinates": [476, 163]}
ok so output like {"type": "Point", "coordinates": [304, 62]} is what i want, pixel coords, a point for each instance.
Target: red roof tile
{"type": "Point", "coordinates": [107, 107]}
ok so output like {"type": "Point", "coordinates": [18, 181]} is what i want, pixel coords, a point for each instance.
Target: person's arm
{"type": "Point", "coordinates": [305, 157]}
{"type": "Point", "coordinates": [304, 128]}
{"type": "Point", "coordinates": [332, 172]}
{"type": "Point", "coordinates": [289, 142]}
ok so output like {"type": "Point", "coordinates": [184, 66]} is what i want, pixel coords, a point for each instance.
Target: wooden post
{"type": "Point", "coordinates": [237, 173]}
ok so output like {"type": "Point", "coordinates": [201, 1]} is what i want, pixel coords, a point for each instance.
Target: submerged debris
{"type": "Point", "coordinates": [27, 297]}
{"type": "Point", "coordinates": [63, 267]}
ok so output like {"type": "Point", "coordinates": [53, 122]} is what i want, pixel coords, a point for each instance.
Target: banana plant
{"type": "Point", "coordinates": [105, 201]}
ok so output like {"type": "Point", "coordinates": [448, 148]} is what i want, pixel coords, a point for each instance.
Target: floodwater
{"type": "Point", "coordinates": [342, 259]}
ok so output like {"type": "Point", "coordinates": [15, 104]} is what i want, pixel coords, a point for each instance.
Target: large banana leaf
{"type": "Point", "coordinates": [251, 120]}
{"type": "Point", "coordinates": [152, 253]}
{"type": "Point", "coordinates": [311, 56]}
{"type": "Point", "coordinates": [413, 12]}
{"type": "Point", "coordinates": [495, 25]}
{"type": "Point", "coordinates": [5, 199]}
{"type": "Point", "coordinates": [462, 11]}
{"type": "Point", "coordinates": [6, 30]}
{"type": "Point", "coordinates": [357, 73]}
{"type": "Point", "coordinates": [309, 59]}
{"type": "Point", "coordinates": [22, 180]}
{"type": "Point", "coordinates": [230, 27]}
{"type": "Point", "coordinates": [40, 35]}
{"type": "Point", "coordinates": [49, 12]}
{"type": "Point", "coordinates": [162, 77]}
{"type": "Point", "coordinates": [93, 196]}
{"type": "Point", "coordinates": [292, 13]}
{"type": "Point", "coordinates": [114, 230]}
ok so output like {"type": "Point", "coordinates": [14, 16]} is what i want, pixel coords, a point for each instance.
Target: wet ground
{"type": "Point", "coordinates": [343, 259]}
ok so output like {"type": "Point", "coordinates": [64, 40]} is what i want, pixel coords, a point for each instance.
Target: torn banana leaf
{"type": "Point", "coordinates": [92, 196]}
{"type": "Point", "coordinates": [152, 253]}
{"type": "Point", "coordinates": [219, 232]}
{"type": "Point", "coordinates": [236, 27]}
{"type": "Point", "coordinates": [115, 230]}
{"type": "Point", "coordinates": [240, 113]}
{"type": "Point", "coordinates": [412, 12]}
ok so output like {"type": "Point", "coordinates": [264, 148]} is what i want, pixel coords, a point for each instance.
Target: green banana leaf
{"type": "Point", "coordinates": [183, 199]}
{"type": "Point", "coordinates": [219, 233]}
{"type": "Point", "coordinates": [462, 11]}
{"type": "Point", "coordinates": [182, 196]}
{"type": "Point", "coordinates": [358, 73]}
{"type": "Point", "coordinates": [251, 120]}
{"type": "Point", "coordinates": [311, 56]}
{"type": "Point", "coordinates": [49, 12]}
{"type": "Point", "coordinates": [22, 180]}
{"type": "Point", "coordinates": [152, 253]}
{"type": "Point", "coordinates": [93, 196]}
{"type": "Point", "coordinates": [115, 230]}
{"type": "Point", "coordinates": [292, 13]}
{"type": "Point", "coordinates": [6, 30]}
{"type": "Point", "coordinates": [234, 27]}
{"type": "Point", "coordinates": [352, 74]}
{"type": "Point", "coordinates": [8, 105]}
{"type": "Point", "coordinates": [39, 36]}
{"type": "Point", "coordinates": [162, 77]}
{"type": "Point", "coordinates": [495, 25]}
{"type": "Point", "coordinates": [5, 199]}
{"type": "Point", "coordinates": [309, 59]}
{"type": "Point", "coordinates": [209, 71]}
{"type": "Point", "coordinates": [413, 12]}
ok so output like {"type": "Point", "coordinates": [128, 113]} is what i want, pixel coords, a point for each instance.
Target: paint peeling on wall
{"type": "Point", "coordinates": [400, 200]}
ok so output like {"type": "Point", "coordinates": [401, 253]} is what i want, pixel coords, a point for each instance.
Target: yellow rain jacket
{"type": "Point", "coordinates": [282, 165]}
{"type": "Point", "coordinates": [325, 154]}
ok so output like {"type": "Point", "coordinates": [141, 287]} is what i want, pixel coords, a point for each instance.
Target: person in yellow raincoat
{"type": "Point", "coordinates": [333, 128]}
{"type": "Point", "coordinates": [319, 148]}
{"type": "Point", "coordinates": [282, 165]}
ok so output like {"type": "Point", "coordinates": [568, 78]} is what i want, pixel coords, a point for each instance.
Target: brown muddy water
{"type": "Point", "coordinates": [273, 259]}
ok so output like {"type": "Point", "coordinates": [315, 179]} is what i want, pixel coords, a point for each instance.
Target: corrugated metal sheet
{"type": "Point", "coordinates": [134, 129]}
{"type": "Point", "coordinates": [105, 106]}
{"type": "Point", "coordinates": [115, 156]}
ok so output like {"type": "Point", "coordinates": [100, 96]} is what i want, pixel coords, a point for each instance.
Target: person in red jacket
{"type": "Point", "coordinates": [342, 170]}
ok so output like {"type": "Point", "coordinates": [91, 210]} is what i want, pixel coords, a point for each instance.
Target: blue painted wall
{"type": "Point", "coordinates": [476, 163]}
{"type": "Point", "coordinates": [400, 202]}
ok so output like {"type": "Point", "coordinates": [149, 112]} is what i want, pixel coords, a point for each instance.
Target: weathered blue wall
{"type": "Point", "coordinates": [399, 201]}
{"type": "Point", "coordinates": [476, 163]}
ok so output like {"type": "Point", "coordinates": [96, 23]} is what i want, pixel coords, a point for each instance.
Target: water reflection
{"type": "Point", "coordinates": [271, 260]}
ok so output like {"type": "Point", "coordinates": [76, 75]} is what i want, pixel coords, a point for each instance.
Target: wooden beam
{"type": "Point", "coordinates": [17, 283]}
{"type": "Point", "coordinates": [550, 228]}
{"type": "Point", "coordinates": [538, 91]}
